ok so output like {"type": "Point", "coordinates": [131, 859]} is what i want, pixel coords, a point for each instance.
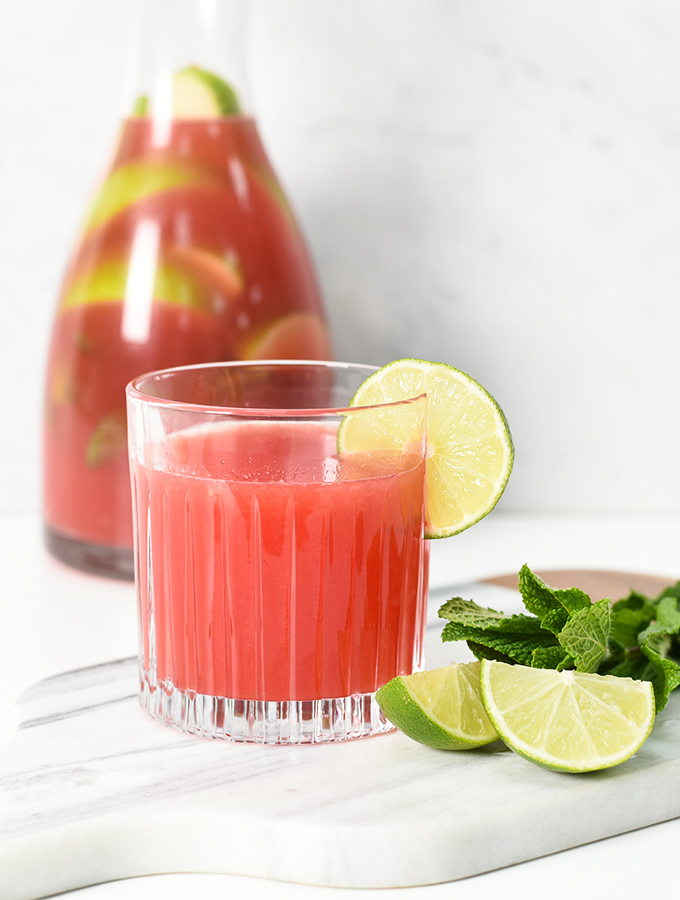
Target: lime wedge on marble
{"type": "Point", "coordinates": [441, 708]}
{"type": "Point", "coordinates": [570, 721]}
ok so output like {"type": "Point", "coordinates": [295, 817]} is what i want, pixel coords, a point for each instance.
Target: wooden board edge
{"type": "Point", "coordinates": [598, 583]}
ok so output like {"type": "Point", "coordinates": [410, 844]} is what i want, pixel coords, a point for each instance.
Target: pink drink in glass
{"type": "Point", "coordinates": [272, 571]}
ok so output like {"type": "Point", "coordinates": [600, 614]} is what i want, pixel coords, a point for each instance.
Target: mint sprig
{"type": "Point", "coordinates": [636, 636]}
{"type": "Point", "coordinates": [492, 635]}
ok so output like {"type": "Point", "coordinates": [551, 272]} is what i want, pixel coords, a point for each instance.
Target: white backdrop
{"type": "Point", "coordinates": [492, 184]}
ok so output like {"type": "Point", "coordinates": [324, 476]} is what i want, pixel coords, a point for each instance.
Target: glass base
{"type": "Point", "coordinates": [264, 722]}
{"type": "Point", "coordinates": [98, 559]}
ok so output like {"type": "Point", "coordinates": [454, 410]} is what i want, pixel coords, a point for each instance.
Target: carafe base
{"type": "Point", "coordinates": [97, 559]}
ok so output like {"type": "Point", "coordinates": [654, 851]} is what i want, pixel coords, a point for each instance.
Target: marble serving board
{"type": "Point", "coordinates": [93, 790]}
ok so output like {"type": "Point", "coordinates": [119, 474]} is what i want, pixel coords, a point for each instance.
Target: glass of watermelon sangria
{"type": "Point", "coordinates": [189, 253]}
{"type": "Point", "coordinates": [281, 575]}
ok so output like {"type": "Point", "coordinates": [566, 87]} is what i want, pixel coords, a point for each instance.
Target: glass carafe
{"type": "Point", "coordinates": [189, 253]}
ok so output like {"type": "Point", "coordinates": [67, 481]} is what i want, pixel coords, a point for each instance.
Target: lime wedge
{"type": "Point", "coordinates": [199, 94]}
{"type": "Point", "coordinates": [141, 179]}
{"type": "Point", "coordinates": [570, 721]}
{"type": "Point", "coordinates": [441, 708]}
{"type": "Point", "coordinates": [470, 450]}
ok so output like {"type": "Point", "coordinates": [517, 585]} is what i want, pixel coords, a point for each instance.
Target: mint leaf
{"type": "Point", "coordinates": [644, 641]}
{"type": "Point", "coordinates": [493, 635]}
{"type": "Point", "coordinates": [552, 606]}
{"type": "Point", "coordinates": [627, 624]}
{"type": "Point", "coordinates": [585, 636]}
{"type": "Point", "coordinates": [504, 645]}
{"type": "Point", "coordinates": [657, 644]}
{"type": "Point", "coordinates": [666, 620]}
{"type": "Point", "coordinates": [483, 652]}
{"type": "Point", "coordinates": [630, 616]}
{"type": "Point", "coordinates": [664, 673]}
{"type": "Point", "coordinates": [467, 612]}
{"type": "Point", "coordinates": [551, 658]}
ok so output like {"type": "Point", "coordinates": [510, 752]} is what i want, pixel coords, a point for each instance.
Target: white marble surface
{"type": "Point", "coordinates": [95, 790]}
{"type": "Point", "coordinates": [55, 620]}
{"type": "Point", "coordinates": [488, 183]}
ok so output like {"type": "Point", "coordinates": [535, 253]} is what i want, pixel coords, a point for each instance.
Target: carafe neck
{"type": "Point", "coordinates": [170, 36]}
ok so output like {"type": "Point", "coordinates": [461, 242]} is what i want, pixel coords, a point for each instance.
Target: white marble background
{"type": "Point", "coordinates": [494, 184]}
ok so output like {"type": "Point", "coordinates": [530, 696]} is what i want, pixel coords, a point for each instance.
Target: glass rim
{"type": "Point", "coordinates": [134, 389]}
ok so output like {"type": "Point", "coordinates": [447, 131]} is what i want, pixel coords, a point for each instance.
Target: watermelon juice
{"type": "Point", "coordinates": [189, 254]}
{"type": "Point", "coordinates": [272, 571]}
